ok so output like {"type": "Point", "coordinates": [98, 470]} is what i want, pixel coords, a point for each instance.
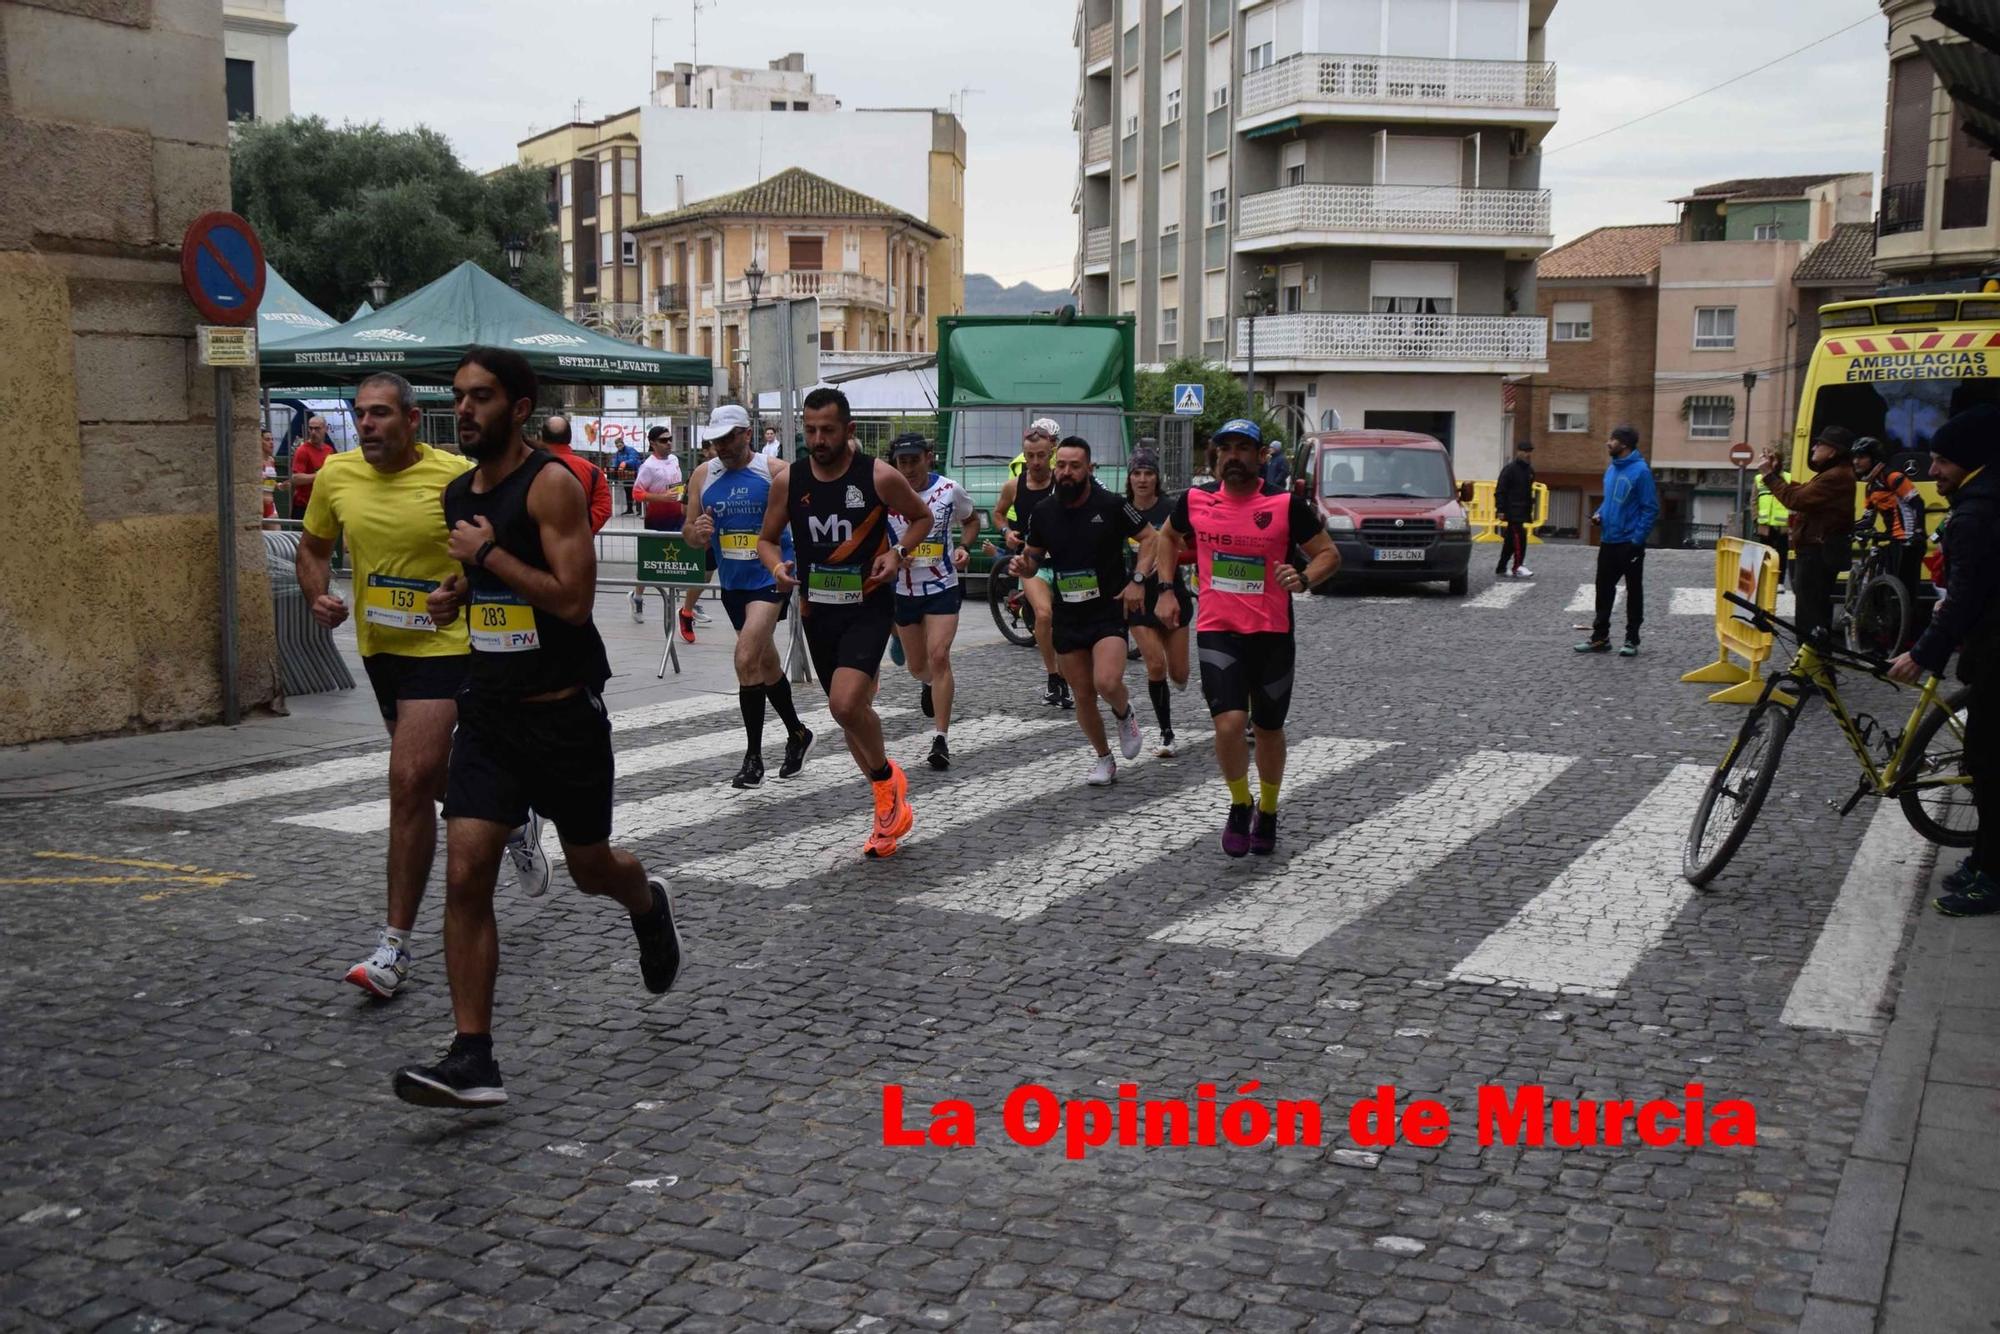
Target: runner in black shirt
{"type": "Point", "coordinates": [532, 731]}
{"type": "Point", "coordinates": [1080, 533]}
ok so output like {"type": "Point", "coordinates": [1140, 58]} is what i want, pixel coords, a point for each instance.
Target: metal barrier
{"type": "Point", "coordinates": [663, 562]}
{"type": "Point", "coordinates": [1484, 515]}
{"type": "Point", "coordinates": [308, 662]}
{"type": "Point", "coordinates": [1748, 569]}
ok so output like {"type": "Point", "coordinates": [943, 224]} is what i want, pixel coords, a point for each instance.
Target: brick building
{"type": "Point", "coordinates": [1840, 268]}
{"type": "Point", "coordinates": [1600, 295]}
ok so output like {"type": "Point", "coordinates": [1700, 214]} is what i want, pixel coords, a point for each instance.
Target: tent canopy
{"type": "Point", "coordinates": [284, 314]}
{"type": "Point", "coordinates": [363, 309]}
{"type": "Point", "coordinates": [424, 336]}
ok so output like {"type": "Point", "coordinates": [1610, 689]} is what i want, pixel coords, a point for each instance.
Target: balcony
{"type": "Point", "coordinates": [620, 319]}
{"type": "Point", "coordinates": [1399, 88]}
{"type": "Point", "coordinates": [1098, 45]}
{"type": "Point", "coordinates": [835, 287]}
{"type": "Point", "coordinates": [670, 299]}
{"type": "Point", "coordinates": [1097, 151]}
{"type": "Point", "coordinates": [1902, 209]}
{"type": "Point", "coordinates": [1343, 341]}
{"type": "Point", "coordinates": [1097, 250]}
{"type": "Point", "coordinates": [1433, 216]}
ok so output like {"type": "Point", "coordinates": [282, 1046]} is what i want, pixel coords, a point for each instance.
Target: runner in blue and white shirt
{"type": "Point", "coordinates": [928, 591]}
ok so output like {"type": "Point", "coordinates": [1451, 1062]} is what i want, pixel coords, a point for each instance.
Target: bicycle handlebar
{"type": "Point", "coordinates": [1771, 623]}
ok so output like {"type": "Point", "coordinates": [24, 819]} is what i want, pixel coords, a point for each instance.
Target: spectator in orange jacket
{"type": "Point", "coordinates": [555, 439]}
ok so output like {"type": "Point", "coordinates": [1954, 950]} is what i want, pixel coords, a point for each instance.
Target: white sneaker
{"type": "Point", "coordinates": [531, 864]}
{"type": "Point", "coordinates": [1524, 573]}
{"type": "Point", "coordinates": [638, 606]}
{"type": "Point", "coordinates": [382, 972]}
{"type": "Point", "coordinates": [1103, 773]}
{"type": "Point", "coordinates": [701, 614]}
{"type": "Point", "coordinates": [1168, 747]}
{"type": "Point", "coordinates": [1128, 734]}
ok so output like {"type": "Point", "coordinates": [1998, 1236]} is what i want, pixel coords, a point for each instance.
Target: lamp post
{"type": "Point", "coordinates": [1253, 306]}
{"type": "Point", "coordinates": [753, 278]}
{"type": "Point", "coordinates": [1743, 474]}
{"type": "Point", "coordinates": [516, 250]}
{"type": "Point", "coordinates": [378, 291]}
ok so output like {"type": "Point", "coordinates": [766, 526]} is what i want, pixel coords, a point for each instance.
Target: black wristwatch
{"type": "Point", "coordinates": [479, 556]}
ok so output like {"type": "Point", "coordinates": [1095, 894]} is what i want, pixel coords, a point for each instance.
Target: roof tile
{"type": "Point", "coordinates": [1609, 252]}
{"type": "Point", "coordinates": [1846, 256]}
{"type": "Point", "coordinates": [792, 193]}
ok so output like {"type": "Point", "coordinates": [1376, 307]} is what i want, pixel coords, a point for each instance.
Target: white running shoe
{"type": "Point", "coordinates": [701, 615]}
{"type": "Point", "coordinates": [531, 864]}
{"type": "Point", "coordinates": [382, 972]}
{"type": "Point", "coordinates": [1103, 773]}
{"type": "Point", "coordinates": [1168, 747]}
{"type": "Point", "coordinates": [1128, 734]}
{"type": "Point", "coordinates": [1524, 573]}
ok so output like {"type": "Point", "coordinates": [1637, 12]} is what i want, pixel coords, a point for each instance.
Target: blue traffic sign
{"type": "Point", "coordinates": [1189, 399]}
{"type": "Point", "coordinates": [222, 267]}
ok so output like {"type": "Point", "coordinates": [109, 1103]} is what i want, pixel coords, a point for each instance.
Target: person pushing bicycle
{"type": "Point", "coordinates": [1893, 499]}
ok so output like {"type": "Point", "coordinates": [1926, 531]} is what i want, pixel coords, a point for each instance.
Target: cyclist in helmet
{"type": "Point", "coordinates": [1892, 498]}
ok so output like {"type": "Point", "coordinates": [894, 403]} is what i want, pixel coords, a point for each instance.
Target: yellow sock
{"type": "Point", "coordinates": [1239, 791]}
{"type": "Point", "coordinates": [1267, 797]}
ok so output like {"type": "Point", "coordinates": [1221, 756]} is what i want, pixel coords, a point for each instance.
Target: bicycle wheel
{"type": "Point", "coordinates": [1730, 802]}
{"type": "Point", "coordinates": [1933, 787]}
{"type": "Point", "coordinates": [1011, 611]}
{"type": "Point", "coordinates": [1880, 617]}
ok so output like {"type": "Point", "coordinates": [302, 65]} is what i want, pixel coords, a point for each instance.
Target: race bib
{"type": "Point", "coordinates": [835, 585]}
{"type": "Point", "coordinates": [1077, 585]}
{"type": "Point", "coordinates": [1236, 574]}
{"type": "Point", "coordinates": [932, 551]}
{"type": "Point", "coordinates": [739, 546]}
{"type": "Point", "coordinates": [398, 603]}
{"type": "Point", "coordinates": [503, 623]}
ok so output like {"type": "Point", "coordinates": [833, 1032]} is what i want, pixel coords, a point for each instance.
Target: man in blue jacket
{"type": "Point", "coordinates": [1630, 506]}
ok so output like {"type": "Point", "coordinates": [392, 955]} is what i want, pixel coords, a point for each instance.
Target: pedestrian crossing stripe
{"type": "Point", "coordinates": [1682, 601]}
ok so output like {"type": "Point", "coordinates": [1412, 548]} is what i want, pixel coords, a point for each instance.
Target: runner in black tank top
{"type": "Point", "coordinates": [1037, 450]}
{"type": "Point", "coordinates": [532, 732]}
{"type": "Point", "coordinates": [1165, 651]}
{"type": "Point", "coordinates": [837, 504]}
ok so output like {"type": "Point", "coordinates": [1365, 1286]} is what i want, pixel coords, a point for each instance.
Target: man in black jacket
{"type": "Point", "coordinates": [1514, 503]}
{"type": "Point", "coordinates": [1968, 621]}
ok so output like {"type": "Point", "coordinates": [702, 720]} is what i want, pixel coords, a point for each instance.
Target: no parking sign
{"type": "Point", "coordinates": [222, 267]}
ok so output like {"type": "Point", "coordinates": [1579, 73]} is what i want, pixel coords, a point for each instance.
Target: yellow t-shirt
{"type": "Point", "coordinates": [395, 531]}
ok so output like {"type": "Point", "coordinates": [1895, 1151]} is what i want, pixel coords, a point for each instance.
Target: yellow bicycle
{"type": "Point", "coordinates": [1922, 766]}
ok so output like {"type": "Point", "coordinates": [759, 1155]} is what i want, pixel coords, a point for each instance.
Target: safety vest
{"type": "Point", "coordinates": [1771, 514]}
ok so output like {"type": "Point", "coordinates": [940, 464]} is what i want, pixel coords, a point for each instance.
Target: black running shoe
{"type": "Point", "coordinates": [1068, 701]}
{"type": "Point", "coordinates": [752, 772]}
{"type": "Point", "coordinates": [1264, 833]}
{"type": "Point", "coordinates": [940, 753]}
{"type": "Point", "coordinates": [924, 701]}
{"type": "Point", "coordinates": [463, 1079]}
{"type": "Point", "coordinates": [1236, 831]}
{"type": "Point", "coordinates": [797, 746]}
{"type": "Point", "coordinates": [1957, 879]}
{"type": "Point", "coordinates": [659, 940]}
{"type": "Point", "coordinates": [1053, 696]}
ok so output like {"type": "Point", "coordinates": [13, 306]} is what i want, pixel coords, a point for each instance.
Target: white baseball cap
{"type": "Point", "coordinates": [1045, 426]}
{"type": "Point", "coordinates": [729, 417]}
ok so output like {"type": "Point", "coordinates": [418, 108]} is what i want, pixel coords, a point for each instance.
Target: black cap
{"type": "Point", "coordinates": [656, 432]}
{"type": "Point", "coordinates": [910, 442]}
{"type": "Point", "coordinates": [1143, 460]}
{"type": "Point", "coordinates": [1524, 446]}
{"type": "Point", "coordinates": [1836, 438]}
{"type": "Point", "coordinates": [1968, 439]}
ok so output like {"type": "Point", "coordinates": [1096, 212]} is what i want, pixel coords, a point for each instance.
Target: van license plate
{"type": "Point", "coordinates": [1399, 553]}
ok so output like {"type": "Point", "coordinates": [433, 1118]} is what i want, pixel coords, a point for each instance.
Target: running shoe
{"type": "Point", "coordinates": [893, 816]}
{"type": "Point", "coordinates": [463, 1079]}
{"type": "Point", "coordinates": [530, 863]}
{"type": "Point", "coordinates": [687, 626]}
{"type": "Point", "coordinates": [701, 616]}
{"type": "Point", "coordinates": [1630, 649]}
{"type": "Point", "coordinates": [896, 650]}
{"type": "Point", "coordinates": [638, 600]}
{"type": "Point", "coordinates": [1103, 772]}
{"type": "Point", "coordinates": [1956, 880]}
{"type": "Point", "coordinates": [1053, 696]}
{"type": "Point", "coordinates": [381, 973]}
{"type": "Point", "coordinates": [924, 701]}
{"type": "Point", "coordinates": [1524, 573]}
{"type": "Point", "coordinates": [940, 756]}
{"type": "Point", "coordinates": [1068, 701]}
{"type": "Point", "coordinates": [1129, 739]}
{"type": "Point", "coordinates": [1979, 897]}
{"type": "Point", "coordinates": [1236, 832]}
{"type": "Point", "coordinates": [1167, 749]}
{"type": "Point", "coordinates": [797, 746]}
{"type": "Point", "coordinates": [1594, 646]}
{"type": "Point", "coordinates": [660, 947]}
{"type": "Point", "coordinates": [752, 772]}
{"type": "Point", "coordinates": [1264, 833]}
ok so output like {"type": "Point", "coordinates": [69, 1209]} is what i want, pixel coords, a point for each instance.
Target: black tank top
{"type": "Point", "coordinates": [1026, 498]}
{"type": "Point", "coordinates": [838, 529]}
{"type": "Point", "coordinates": [517, 649]}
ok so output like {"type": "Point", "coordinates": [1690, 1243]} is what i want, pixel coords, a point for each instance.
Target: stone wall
{"type": "Point", "coordinates": [112, 139]}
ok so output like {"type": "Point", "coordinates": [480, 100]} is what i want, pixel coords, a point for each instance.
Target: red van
{"type": "Point", "coordinates": [1391, 505]}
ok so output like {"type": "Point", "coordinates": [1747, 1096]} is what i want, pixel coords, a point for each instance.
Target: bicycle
{"type": "Point", "coordinates": [1922, 767]}
{"type": "Point", "coordinates": [1012, 611]}
{"type": "Point", "coordinates": [1874, 616]}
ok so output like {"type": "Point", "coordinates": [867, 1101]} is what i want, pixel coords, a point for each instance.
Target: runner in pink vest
{"type": "Point", "coordinates": [1245, 533]}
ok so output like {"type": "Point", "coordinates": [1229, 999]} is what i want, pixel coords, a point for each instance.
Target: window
{"type": "Point", "coordinates": [240, 88]}
{"type": "Point", "coordinates": [606, 252]}
{"type": "Point", "coordinates": [606, 178]}
{"type": "Point", "coordinates": [628, 167]}
{"type": "Point", "coordinates": [1170, 324]}
{"type": "Point", "coordinates": [1407, 159]}
{"type": "Point", "coordinates": [799, 106]}
{"type": "Point", "coordinates": [777, 105]}
{"type": "Point", "coordinates": [1170, 88]}
{"type": "Point", "coordinates": [1217, 328]}
{"type": "Point", "coordinates": [1219, 98]}
{"type": "Point", "coordinates": [1572, 321]}
{"type": "Point", "coordinates": [1260, 38]}
{"type": "Point", "coordinates": [1292, 164]}
{"type": "Point", "coordinates": [1218, 205]}
{"type": "Point", "coordinates": [1128, 260]}
{"type": "Point", "coordinates": [1569, 413]}
{"type": "Point", "coordinates": [1709, 416]}
{"type": "Point", "coordinates": [1714, 328]}
{"type": "Point", "coordinates": [1765, 231]}
{"type": "Point", "coordinates": [1173, 108]}
{"type": "Point", "coordinates": [1171, 205]}
{"type": "Point", "coordinates": [1129, 50]}
{"type": "Point", "coordinates": [628, 249]}
{"type": "Point", "coordinates": [1291, 289]}
{"type": "Point", "coordinates": [805, 252]}
{"type": "Point", "coordinates": [568, 188]}
{"type": "Point", "coordinates": [1170, 31]}
{"type": "Point", "coordinates": [1402, 287]}
{"type": "Point", "coordinates": [569, 257]}
{"type": "Point", "coordinates": [1131, 125]}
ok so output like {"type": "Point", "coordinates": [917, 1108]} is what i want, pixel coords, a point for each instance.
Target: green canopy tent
{"type": "Point", "coordinates": [284, 314]}
{"type": "Point", "coordinates": [425, 334]}
{"type": "Point", "coordinates": [363, 309]}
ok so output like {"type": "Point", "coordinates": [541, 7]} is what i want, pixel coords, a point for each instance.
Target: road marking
{"type": "Point", "coordinates": [1586, 598]}
{"type": "Point", "coordinates": [1342, 877]}
{"type": "Point", "coordinates": [374, 766]}
{"type": "Point", "coordinates": [831, 844]}
{"type": "Point", "coordinates": [183, 878]}
{"type": "Point", "coordinates": [1847, 973]}
{"type": "Point", "coordinates": [1693, 602]}
{"type": "Point", "coordinates": [1030, 884]}
{"type": "Point", "coordinates": [1501, 595]}
{"type": "Point", "coordinates": [831, 768]}
{"type": "Point", "coordinates": [1596, 920]}
{"type": "Point", "coordinates": [372, 817]}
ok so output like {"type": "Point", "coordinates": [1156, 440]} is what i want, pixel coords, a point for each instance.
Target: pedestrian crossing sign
{"type": "Point", "coordinates": [1189, 399]}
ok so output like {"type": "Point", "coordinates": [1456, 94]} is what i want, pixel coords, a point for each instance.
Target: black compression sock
{"type": "Point", "coordinates": [779, 692]}
{"type": "Point", "coordinates": [881, 775]}
{"type": "Point", "coordinates": [1163, 708]}
{"type": "Point", "coordinates": [1055, 681]}
{"type": "Point", "coordinates": [751, 700]}
{"type": "Point", "coordinates": [479, 1044]}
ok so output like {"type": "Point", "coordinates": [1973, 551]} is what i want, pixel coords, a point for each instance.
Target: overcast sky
{"type": "Point", "coordinates": [488, 73]}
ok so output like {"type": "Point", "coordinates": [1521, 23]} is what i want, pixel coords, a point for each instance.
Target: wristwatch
{"type": "Point", "coordinates": [479, 556]}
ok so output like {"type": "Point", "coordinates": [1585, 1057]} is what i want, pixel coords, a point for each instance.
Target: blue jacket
{"type": "Point", "coordinates": [1631, 505]}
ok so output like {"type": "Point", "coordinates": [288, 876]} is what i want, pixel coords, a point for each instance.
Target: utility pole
{"type": "Point", "coordinates": [1743, 474]}
{"type": "Point", "coordinates": [653, 61]}
{"type": "Point", "coordinates": [694, 23]}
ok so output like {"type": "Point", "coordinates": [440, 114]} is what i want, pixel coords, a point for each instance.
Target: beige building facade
{"type": "Point", "coordinates": [257, 63]}
{"type": "Point", "coordinates": [115, 134]}
{"type": "Point", "coordinates": [1940, 214]}
{"type": "Point", "coordinates": [593, 173]}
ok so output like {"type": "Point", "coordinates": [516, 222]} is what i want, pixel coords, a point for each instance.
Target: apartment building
{"type": "Point", "coordinates": [1356, 180]}
{"type": "Point", "coordinates": [594, 178]}
{"type": "Point", "coordinates": [1940, 217]}
{"type": "Point", "coordinates": [783, 85]}
{"type": "Point", "coordinates": [256, 59]}
{"type": "Point", "coordinates": [794, 235]}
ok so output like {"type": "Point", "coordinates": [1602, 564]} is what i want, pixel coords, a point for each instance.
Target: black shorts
{"type": "Point", "coordinates": [1079, 636]}
{"type": "Point", "coordinates": [734, 600]}
{"type": "Point", "coordinates": [855, 637]}
{"type": "Point", "coordinates": [554, 756]}
{"type": "Point", "coordinates": [912, 610]}
{"type": "Point", "coordinates": [1150, 620]}
{"type": "Point", "coordinates": [397, 676]}
{"type": "Point", "coordinates": [1247, 671]}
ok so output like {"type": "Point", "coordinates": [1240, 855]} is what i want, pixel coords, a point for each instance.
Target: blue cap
{"type": "Point", "coordinates": [1242, 426]}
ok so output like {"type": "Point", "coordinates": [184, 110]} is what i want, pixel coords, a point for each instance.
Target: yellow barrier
{"type": "Point", "coordinates": [1484, 516]}
{"type": "Point", "coordinates": [1750, 570]}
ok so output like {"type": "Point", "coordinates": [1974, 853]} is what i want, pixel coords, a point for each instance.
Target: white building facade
{"type": "Point", "coordinates": [257, 62]}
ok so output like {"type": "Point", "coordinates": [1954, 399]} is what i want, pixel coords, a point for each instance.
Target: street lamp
{"type": "Point", "coordinates": [378, 290]}
{"type": "Point", "coordinates": [516, 250]}
{"type": "Point", "coordinates": [753, 278]}
{"type": "Point", "coordinates": [1743, 474]}
{"type": "Point", "coordinates": [1253, 306]}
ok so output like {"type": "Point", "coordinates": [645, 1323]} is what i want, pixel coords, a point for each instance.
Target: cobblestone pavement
{"type": "Point", "coordinates": [199, 1130]}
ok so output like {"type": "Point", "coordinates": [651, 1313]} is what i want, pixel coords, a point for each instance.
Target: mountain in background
{"type": "Point", "coordinates": [985, 296]}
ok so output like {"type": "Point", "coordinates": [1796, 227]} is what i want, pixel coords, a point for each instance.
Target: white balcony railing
{"type": "Point", "coordinates": [1528, 85]}
{"type": "Point", "coordinates": [1343, 336]}
{"type": "Point", "coordinates": [1097, 45]}
{"type": "Point", "coordinates": [1097, 246]}
{"type": "Point", "coordinates": [1431, 210]}
{"type": "Point", "coordinates": [828, 285]}
{"type": "Point", "coordinates": [1097, 146]}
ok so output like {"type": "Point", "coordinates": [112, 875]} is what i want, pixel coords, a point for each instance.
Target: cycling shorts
{"type": "Point", "coordinates": [854, 637]}
{"type": "Point", "coordinates": [735, 600]}
{"type": "Point", "coordinates": [945, 602]}
{"type": "Point", "coordinates": [1247, 672]}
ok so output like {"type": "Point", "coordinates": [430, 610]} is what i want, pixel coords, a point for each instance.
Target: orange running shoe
{"type": "Point", "coordinates": [894, 816]}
